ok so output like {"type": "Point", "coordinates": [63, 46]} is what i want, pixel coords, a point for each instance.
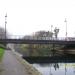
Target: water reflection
{"type": "Point", "coordinates": [56, 68]}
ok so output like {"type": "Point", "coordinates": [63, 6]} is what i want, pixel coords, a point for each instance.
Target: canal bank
{"type": "Point", "coordinates": [13, 64]}
{"type": "Point", "coordinates": [29, 67]}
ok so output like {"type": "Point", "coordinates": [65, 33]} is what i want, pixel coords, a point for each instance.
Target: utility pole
{"type": "Point", "coordinates": [51, 27]}
{"type": "Point", "coordinates": [5, 24]}
{"type": "Point", "coordinates": [66, 27]}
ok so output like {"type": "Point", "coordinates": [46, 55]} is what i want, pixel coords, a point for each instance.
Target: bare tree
{"type": "Point", "coordinates": [43, 34]}
{"type": "Point", "coordinates": [3, 35]}
{"type": "Point", "coordinates": [56, 31]}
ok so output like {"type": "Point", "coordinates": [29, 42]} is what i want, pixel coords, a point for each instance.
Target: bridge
{"type": "Point", "coordinates": [51, 59]}
{"type": "Point", "coordinates": [37, 41]}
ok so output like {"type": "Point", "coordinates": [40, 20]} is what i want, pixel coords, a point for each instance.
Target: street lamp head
{"type": "Point", "coordinates": [6, 15]}
{"type": "Point", "coordinates": [51, 25]}
{"type": "Point", "coordinates": [65, 20]}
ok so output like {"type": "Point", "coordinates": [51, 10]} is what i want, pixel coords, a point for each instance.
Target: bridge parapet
{"type": "Point", "coordinates": [39, 38]}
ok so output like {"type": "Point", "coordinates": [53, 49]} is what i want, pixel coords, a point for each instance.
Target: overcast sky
{"type": "Point", "coordinates": [27, 16]}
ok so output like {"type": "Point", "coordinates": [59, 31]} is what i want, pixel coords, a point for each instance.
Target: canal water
{"type": "Point", "coordinates": [56, 68]}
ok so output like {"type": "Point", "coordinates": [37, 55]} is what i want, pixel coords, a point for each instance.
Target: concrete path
{"type": "Point", "coordinates": [11, 66]}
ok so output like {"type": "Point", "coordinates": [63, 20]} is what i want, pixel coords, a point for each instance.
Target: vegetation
{"type": "Point", "coordinates": [2, 46]}
{"type": "Point", "coordinates": [3, 35]}
{"type": "Point", "coordinates": [39, 49]}
{"type": "Point", "coordinates": [56, 31]}
{"type": "Point", "coordinates": [1, 53]}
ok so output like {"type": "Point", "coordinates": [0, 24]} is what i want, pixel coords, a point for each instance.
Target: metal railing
{"type": "Point", "coordinates": [36, 38]}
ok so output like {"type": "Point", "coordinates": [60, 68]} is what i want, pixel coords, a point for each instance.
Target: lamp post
{"type": "Point", "coordinates": [51, 31]}
{"type": "Point", "coordinates": [66, 27]}
{"type": "Point", "coordinates": [5, 24]}
{"type": "Point", "coordinates": [51, 27]}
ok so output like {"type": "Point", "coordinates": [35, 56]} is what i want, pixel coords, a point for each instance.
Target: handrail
{"type": "Point", "coordinates": [36, 38]}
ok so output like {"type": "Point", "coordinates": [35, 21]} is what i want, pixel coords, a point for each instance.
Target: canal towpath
{"type": "Point", "coordinates": [14, 65]}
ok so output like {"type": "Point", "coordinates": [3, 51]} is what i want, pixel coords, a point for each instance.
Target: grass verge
{"type": "Point", "coordinates": [1, 53]}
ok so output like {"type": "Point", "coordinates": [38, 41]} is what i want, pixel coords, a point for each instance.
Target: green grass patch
{"type": "Point", "coordinates": [1, 53]}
